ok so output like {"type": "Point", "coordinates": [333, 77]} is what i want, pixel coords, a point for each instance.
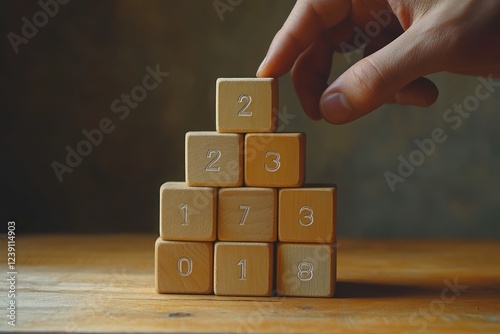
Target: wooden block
{"type": "Point", "coordinates": [183, 267]}
{"type": "Point", "coordinates": [307, 215]}
{"type": "Point", "coordinates": [214, 159]}
{"type": "Point", "coordinates": [275, 160]}
{"type": "Point", "coordinates": [306, 270]}
{"type": "Point", "coordinates": [247, 214]}
{"type": "Point", "coordinates": [247, 105]}
{"type": "Point", "coordinates": [187, 213]}
{"type": "Point", "coordinates": [243, 269]}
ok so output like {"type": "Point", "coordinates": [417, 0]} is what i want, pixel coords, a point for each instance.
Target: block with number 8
{"type": "Point", "coordinates": [214, 159]}
{"type": "Point", "coordinates": [247, 105]}
{"type": "Point", "coordinates": [275, 160]}
{"type": "Point", "coordinates": [306, 270]}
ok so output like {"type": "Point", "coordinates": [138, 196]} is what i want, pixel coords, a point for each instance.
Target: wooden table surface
{"type": "Point", "coordinates": [73, 283]}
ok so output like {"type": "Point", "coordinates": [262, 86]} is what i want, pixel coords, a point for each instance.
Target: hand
{"type": "Point", "coordinates": [405, 40]}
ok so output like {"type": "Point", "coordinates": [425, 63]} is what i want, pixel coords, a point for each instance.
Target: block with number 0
{"type": "Point", "coordinates": [214, 159]}
{"type": "Point", "coordinates": [306, 270]}
{"type": "Point", "coordinates": [183, 267]}
{"type": "Point", "coordinates": [247, 214]}
{"type": "Point", "coordinates": [247, 105]}
{"type": "Point", "coordinates": [243, 269]}
{"type": "Point", "coordinates": [187, 213]}
{"type": "Point", "coordinates": [307, 215]}
{"type": "Point", "coordinates": [275, 160]}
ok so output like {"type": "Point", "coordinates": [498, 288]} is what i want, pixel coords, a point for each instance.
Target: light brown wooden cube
{"type": "Point", "coordinates": [247, 214]}
{"type": "Point", "coordinates": [214, 159]}
{"type": "Point", "coordinates": [247, 105]}
{"type": "Point", "coordinates": [183, 267]}
{"type": "Point", "coordinates": [243, 269]}
{"type": "Point", "coordinates": [306, 270]}
{"type": "Point", "coordinates": [187, 213]}
{"type": "Point", "coordinates": [307, 215]}
{"type": "Point", "coordinates": [275, 160]}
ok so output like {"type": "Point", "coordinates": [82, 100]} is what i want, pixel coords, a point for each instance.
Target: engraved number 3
{"type": "Point", "coordinates": [276, 161]}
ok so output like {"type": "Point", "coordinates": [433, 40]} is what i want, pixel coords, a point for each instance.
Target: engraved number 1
{"type": "Point", "coordinates": [243, 272]}
{"type": "Point", "coordinates": [184, 209]}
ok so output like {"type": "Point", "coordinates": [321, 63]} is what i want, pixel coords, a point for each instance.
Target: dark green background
{"type": "Point", "coordinates": [64, 80]}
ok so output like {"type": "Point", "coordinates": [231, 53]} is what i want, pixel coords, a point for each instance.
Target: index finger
{"type": "Point", "coordinates": [306, 21]}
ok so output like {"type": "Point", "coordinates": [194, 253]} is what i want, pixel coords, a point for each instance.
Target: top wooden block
{"type": "Point", "coordinates": [246, 105]}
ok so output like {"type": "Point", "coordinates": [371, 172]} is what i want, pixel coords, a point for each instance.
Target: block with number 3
{"type": "Point", "coordinates": [306, 270]}
{"type": "Point", "coordinates": [275, 159]}
{"type": "Point", "coordinates": [307, 214]}
{"type": "Point", "coordinates": [243, 269]}
{"type": "Point", "coordinates": [247, 105]}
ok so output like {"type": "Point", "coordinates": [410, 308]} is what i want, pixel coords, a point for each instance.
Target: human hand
{"type": "Point", "coordinates": [412, 39]}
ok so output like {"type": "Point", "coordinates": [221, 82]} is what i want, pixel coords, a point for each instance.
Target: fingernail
{"type": "Point", "coordinates": [335, 108]}
{"type": "Point", "coordinates": [262, 64]}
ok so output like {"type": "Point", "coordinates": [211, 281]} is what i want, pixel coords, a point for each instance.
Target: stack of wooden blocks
{"type": "Point", "coordinates": [218, 236]}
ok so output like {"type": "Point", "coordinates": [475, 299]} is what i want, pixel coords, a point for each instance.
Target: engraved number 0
{"type": "Point", "coordinates": [276, 161]}
{"type": "Point", "coordinates": [210, 167]}
{"type": "Point", "coordinates": [243, 109]}
{"type": "Point", "coordinates": [305, 271]}
{"type": "Point", "coordinates": [245, 213]}
{"type": "Point", "coordinates": [189, 266]}
{"type": "Point", "coordinates": [307, 214]}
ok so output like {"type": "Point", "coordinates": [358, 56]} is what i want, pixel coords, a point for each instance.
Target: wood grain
{"type": "Point", "coordinates": [105, 284]}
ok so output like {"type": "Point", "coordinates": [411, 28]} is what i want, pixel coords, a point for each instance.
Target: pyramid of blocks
{"type": "Point", "coordinates": [243, 223]}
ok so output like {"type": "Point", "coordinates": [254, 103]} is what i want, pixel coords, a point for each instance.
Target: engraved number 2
{"type": "Point", "coordinates": [243, 109]}
{"type": "Point", "coordinates": [306, 213]}
{"type": "Point", "coordinates": [210, 167]}
{"type": "Point", "coordinates": [276, 161]}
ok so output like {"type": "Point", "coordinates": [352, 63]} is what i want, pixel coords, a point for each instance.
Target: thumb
{"type": "Point", "coordinates": [392, 74]}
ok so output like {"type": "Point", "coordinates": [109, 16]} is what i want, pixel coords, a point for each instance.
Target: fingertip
{"type": "Point", "coordinates": [335, 108]}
